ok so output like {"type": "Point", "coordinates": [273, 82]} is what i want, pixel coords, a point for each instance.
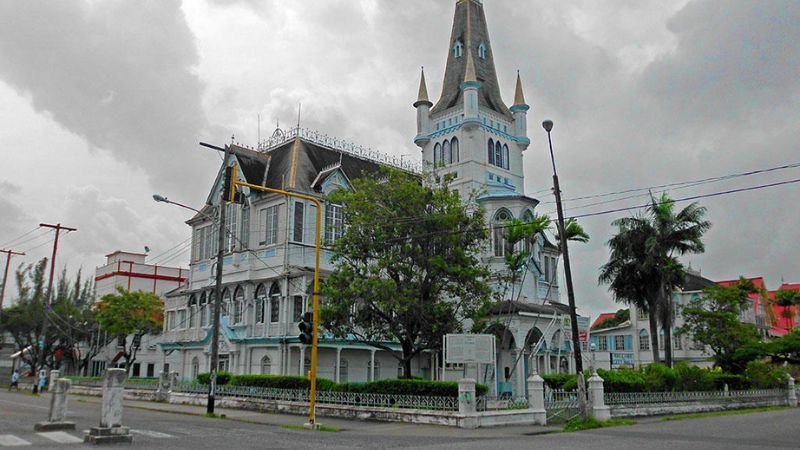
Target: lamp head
{"type": "Point", "coordinates": [159, 198]}
{"type": "Point", "coordinates": [547, 125]}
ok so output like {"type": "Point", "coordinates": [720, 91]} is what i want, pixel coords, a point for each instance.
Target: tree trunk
{"type": "Point", "coordinates": [654, 334]}
{"type": "Point", "coordinates": [666, 323]}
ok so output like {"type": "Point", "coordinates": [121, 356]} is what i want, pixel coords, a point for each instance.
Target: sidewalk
{"type": "Point", "coordinates": [344, 425]}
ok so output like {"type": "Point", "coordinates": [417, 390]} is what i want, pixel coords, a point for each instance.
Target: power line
{"type": "Point", "coordinates": [14, 241]}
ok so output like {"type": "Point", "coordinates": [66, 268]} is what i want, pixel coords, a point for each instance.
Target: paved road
{"type": "Point", "coordinates": [177, 426]}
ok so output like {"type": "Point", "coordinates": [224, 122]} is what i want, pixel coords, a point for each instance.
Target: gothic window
{"type": "Point", "coordinates": [195, 367]}
{"type": "Point", "coordinates": [238, 305]}
{"type": "Point", "coordinates": [454, 150]}
{"type": "Point", "coordinates": [266, 366]}
{"type": "Point", "coordinates": [498, 231]}
{"type": "Point", "coordinates": [436, 150]}
{"type": "Point", "coordinates": [230, 225]}
{"type": "Point", "coordinates": [192, 309]}
{"type": "Point", "coordinates": [498, 154]}
{"type": "Point", "coordinates": [261, 300]}
{"type": "Point", "coordinates": [299, 214]}
{"type": "Point", "coordinates": [211, 305]}
{"type": "Point", "coordinates": [203, 310]}
{"type": "Point", "coordinates": [491, 152]}
{"type": "Point", "coordinates": [297, 306]}
{"type": "Point", "coordinates": [447, 157]}
{"type": "Point", "coordinates": [274, 303]}
{"type": "Point", "coordinates": [244, 232]}
{"type": "Point", "coordinates": [226, 303]}
{"type": "Point", "coordinates": [482, 50]}
{"type": "Point", "coordinates": [505, 156]}
{"type": "Point", "coordinates": [269, 223]}
{"type": "Point", "coordinates": [458, 49]}
{"type": "Point", "coordinates": [644, 340]}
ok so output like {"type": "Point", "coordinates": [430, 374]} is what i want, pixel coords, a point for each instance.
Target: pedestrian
{"type": "Point", "coordinates": [42, 380]}
{"type": "Point", "coordinates": [14, 380]}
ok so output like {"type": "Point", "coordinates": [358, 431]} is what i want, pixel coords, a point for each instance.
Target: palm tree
{"type": "Point", "coordinates": [518, 256]}
{"type": "Point", "coordinates": [648, 246]}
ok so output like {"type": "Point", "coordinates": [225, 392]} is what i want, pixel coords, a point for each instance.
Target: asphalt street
{"type": "Point", "coordinates": [156, 425]}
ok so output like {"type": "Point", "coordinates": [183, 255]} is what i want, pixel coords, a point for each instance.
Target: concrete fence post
{"type": "Point", "coordinates": [792, 392]}
{"type": "Point", "coordinates": [467, 403]}
{"type": "Point", "coordinates": [164, 386]}
{"type": "Point", "coordinates": [536, 398]}
{"type": "Point", "coordinates": [52, 380]}
{"type": "Point", "coordinates": [111, 429]}
{"type": "Point", "coordinates": [58, 407]}
{"type": "Point", "coordinates": [597, 400]}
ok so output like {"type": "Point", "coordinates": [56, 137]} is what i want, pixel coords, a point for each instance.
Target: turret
{"type": "Point", "coordinates": [520, 112]}
{"type": "Point", "coordinates": [423, 106]}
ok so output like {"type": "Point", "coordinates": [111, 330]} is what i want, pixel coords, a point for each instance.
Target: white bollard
{"type": "Point", "coordinates": [111, 429]}
{"type": "Point", "coordinates": [58, 407]}
{"type": "Point", "coordinates": [467, 403]}
{"type": "Point", "coordinates": [597, 399]}
{"type": "Point", "coordinates": [792, 393]}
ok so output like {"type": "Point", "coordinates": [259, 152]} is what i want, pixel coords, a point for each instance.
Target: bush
{"type": "Point", "coordinates": [659, 378]}
{"type": "Point", "coordinates": [623, 380]}
{"type": "Point", "coordinates": [280, 382]}
{"type": "Point", "coordinates": [222, 378]}
{"type": "Point", "coordinates": [558, 380]}
{"type": "Point", "coordinates": [761, 375]}
{"type": "Point", "coordinates": [692, 378]}
{"type": "Point", "coordinates": [409, 387]}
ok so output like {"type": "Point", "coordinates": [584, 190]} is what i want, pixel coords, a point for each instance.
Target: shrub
{"type": "Point", "coordinates": [692, 378]}
{"type": "Point", "coordinates": [557, 381]}
{"type": "Point", "coordinates": [280, 382]}
{"type": "Point", "coordinates": [623, 380]}
{"type": "Point", "coordinates": [222, 377]}
{"type": "Point", "coordinates": [409, 387]}
{"type": "Point", "coordinates": [734, 381]}
{"type": "Point", "coordinates": [764, 376]}
{"type": "Point", "coordinates": [659, 378]}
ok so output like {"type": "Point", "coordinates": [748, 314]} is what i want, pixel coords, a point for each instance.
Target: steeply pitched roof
{"type": "Point", "coordinates": [469, 27]}
{"type": "Point", "coordinates": [695, 282]}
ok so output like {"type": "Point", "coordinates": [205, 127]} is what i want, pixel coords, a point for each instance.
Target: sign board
{"type": "Point", "coordinates": [622, 360]}
{"type": "Point", "coordinates": [583, 329]}
{"type": "Point", "coordinates": [469, 348]}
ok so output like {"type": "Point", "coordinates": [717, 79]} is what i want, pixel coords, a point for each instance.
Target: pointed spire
{"type": "Point", "coordinates": [519, 97]}
{"type": "Point", "coordinates": [469, 74]}
{"type": "Point", "coordinates": [422, 97]}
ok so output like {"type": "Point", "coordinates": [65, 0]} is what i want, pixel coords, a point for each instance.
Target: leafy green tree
{"type": "Point", "coordinates": [620, 317]}
{"type": "Point", "coordinates": [787, 298]}
{"type": "Point", "coordinates": [713, 320]}
{"type": "Point", "coordinates": [130, 313]}
{"type": "Point", "coordinates": [406, 267]}
{"type": "Point", "coordinates": [518, 256]}
{"type": "Point", "coordinates": [648, 245]}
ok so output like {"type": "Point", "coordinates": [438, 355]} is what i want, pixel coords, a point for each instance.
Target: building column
{"type": "Point", "coordinates": [519, 390]}
{"type": "Point", "coordinates": [338, 364]}
{"type": "Point", "coordinates": [371, 365]}
{"type": "Point", "coordinates": [302, 361]}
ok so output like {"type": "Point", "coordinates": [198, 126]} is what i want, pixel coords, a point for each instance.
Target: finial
{"type": "Point", "coordinates": [422, 96]}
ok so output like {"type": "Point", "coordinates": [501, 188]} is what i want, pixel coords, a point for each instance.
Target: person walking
{"type": "Point", "coordinates": [42, 380]}
{"type": "Point", "coordinates": [14, 380]}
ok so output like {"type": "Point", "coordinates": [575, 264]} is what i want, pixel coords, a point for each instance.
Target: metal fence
{"type": "Point", "coordinates": [648, 398]}
{"type": "Point", "coordinates": [328, 397]}
{"type": "Point", "coordinates": [486, 403]}
{"type": "Point", "coordinates": [561, 405]}
{"type": "Point", "coordinates": [144, 385]}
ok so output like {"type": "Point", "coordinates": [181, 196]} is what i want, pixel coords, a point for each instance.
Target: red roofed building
{"type": "Point", "coordinates": [786, 317]}
{"type": "Point", "coordinates": [758, 314]}
{"type": "Point", "coordinates": [601, 318]}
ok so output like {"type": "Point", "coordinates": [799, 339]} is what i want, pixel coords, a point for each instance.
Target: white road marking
{"type": "Point", "coordinates": [151, 433]}
{"type": "Point", "coordinates": [9, 440]}
{"type": "Point", "coordinates": [60, 436]}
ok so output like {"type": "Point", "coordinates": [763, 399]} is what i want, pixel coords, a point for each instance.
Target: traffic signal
{"type": "Point", "coordinates": [229, 191]}
{"type": "Point", "coordinates": [306, 327]}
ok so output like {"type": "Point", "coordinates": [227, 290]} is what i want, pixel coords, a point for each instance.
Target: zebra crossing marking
{"type": "Point", "coordinates": [9, 440]}
{"type": "Point", "coordinates": [151, 433]}
{"type": "Point", "coordinates": [61, 437]}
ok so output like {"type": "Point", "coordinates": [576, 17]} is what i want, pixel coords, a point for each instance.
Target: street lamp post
{"type": "Point", "coordinates": [576, 347]}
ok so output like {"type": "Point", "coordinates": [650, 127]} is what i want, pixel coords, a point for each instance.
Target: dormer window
{"type": "Point", "coordinates": [482, 50]}
{"type": "Point", "coordinates": [458, 49]}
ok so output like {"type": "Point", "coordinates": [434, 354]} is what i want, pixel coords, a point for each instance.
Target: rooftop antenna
{"type": "Point", "coordinates": [299, 107]}
{"type": "Point", "coordinates": [259, 127]}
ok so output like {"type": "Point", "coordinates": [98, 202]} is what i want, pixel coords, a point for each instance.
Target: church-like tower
{"type": "Point", "coordinates": [470, 134]}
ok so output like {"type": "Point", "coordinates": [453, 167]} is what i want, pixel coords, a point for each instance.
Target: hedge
{"type": "Point", "coordinates": [222, 377]}
{"type": "Point", "coordinates": [389, 386]}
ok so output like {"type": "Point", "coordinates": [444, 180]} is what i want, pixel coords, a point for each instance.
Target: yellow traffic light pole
{"type": "Point", "coordinates": [315, 307]}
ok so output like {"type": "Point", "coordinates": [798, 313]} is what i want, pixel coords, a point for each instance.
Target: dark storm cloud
{"type": "Point", "coordinates": [117, 73]}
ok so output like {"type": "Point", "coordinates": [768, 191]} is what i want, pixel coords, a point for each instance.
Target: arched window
{"type": "Point", "coordinates": [555, 340]}
{"type": "Point", "coordinates": [491, 152]}
{"type": "Point", "coordinates": [498, 231]}
{"type": "Point", "coordinates": [226, 303]}
{"type": "Point", "coordinates": [498, 154]}
{"type": "Point", "coordinates": [203, 310]}
{"type": "Point", "coordinates": [482, 50]}
{"type": "Point", "coordinates": [238, 305]}
{"type": "Point", "coordinates": [192, 310]}
{"type": "Point", "coordinates": [505, 156]}
{"type": "Point", "coordinates": [447, 157]}
{"type": "Point", "coordinates": [436, 150]}
{"type": "Point", "coordinates": [210, 307]}
{"type": "Point", "coordinates": [195, 367]}
{"type": "Point", "coordinates": [644, 339]}
{"type": "Point", "coordinates": [274, 303]}
{"type": "Point", "coordinates": [261, 300]}
{"type": "Point", "coordinates": [454, 150]}
{"type": "Point", "coordinates": [266, 366]}
{"type": "Point", "coordinates": [458, 48]}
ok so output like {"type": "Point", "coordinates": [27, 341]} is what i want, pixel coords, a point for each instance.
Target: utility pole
{"type": "Point", "coordinates": [46, 322]}
{"type": "Point", "coordinates": [5, 276]}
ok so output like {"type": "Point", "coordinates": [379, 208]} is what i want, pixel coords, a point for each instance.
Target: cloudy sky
{"type": "Point", "coordinates": [102, 104]}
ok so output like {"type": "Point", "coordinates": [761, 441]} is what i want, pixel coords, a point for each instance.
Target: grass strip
{"type": "Point", "coordinates": [592, 423]}
{"type": "Point", "coordinates": [732, 412]}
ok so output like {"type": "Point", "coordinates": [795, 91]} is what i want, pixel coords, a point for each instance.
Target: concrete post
{"type": "Point", "coordinates": [599, 409]}
{"type": "Point", "coordinates": [536, 398]}
{"type": "Point", "coordinates": [466, 403]}
{"type": "Point", "coordinates": [58, 407]}
{"type": "Point", "coordinates": [792, 393]}
{"type": "Point", "coordinates": [111, 429]}
{"type": "Point", "coordinates": [51, 381]}
{"type": "Point", "coordinates": [164, 387]}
